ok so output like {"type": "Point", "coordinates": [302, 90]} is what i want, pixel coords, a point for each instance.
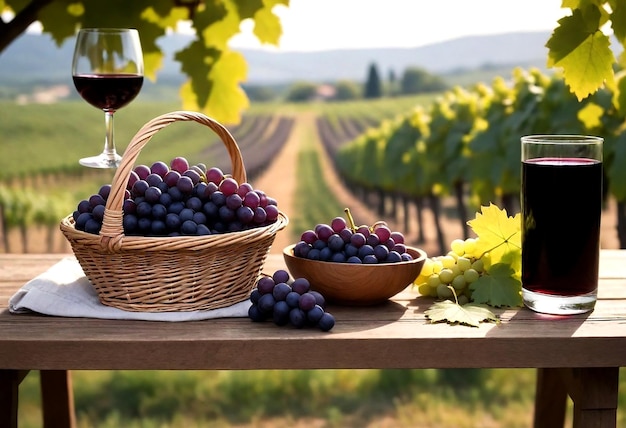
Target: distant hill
{"type": "Point", "coordinates": [34, 59]}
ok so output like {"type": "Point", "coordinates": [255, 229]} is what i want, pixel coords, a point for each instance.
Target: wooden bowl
{"type": "Point", "coordinates": [356, 284]}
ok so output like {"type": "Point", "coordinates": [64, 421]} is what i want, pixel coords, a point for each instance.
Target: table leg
{"type": "Point", "coordinates": [9, 394]}
{"type": "Point", "coordinates": [594, 392]}
{"type": "Point", "coordinates": [57, 398]}
{"type": "Point", "coordinates": [550, 399]}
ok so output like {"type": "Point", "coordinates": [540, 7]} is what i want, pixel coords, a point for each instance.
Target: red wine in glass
{"type": "Point", "coordinates": [107, 70]}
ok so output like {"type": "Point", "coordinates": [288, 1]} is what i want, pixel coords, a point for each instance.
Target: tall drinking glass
{"type": "Point", "coordinates": [107, 70]}
{"type": "Point", "coordinates": [561, 201]}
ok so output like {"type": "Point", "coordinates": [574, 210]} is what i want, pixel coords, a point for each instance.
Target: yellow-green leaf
{"type": "Point", "coordinates": [498, 234]}
{"type": "Point", "coordinates": [498, 288]}
{"type": "Point", "coordinates": [591, 115]}
{"type": "Point", "coordinates": [470, 314]}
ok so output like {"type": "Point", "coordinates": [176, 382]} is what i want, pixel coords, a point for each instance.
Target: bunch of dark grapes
{"type": "Point", "coordinates": [341, 243]}
{"type": "Point", "coordinates": [180, 199]}
{"type": "Point", "coordinates": [289, 302]}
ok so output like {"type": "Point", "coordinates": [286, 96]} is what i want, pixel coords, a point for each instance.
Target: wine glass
{"type": "Point", "coordinates": [107, 70]}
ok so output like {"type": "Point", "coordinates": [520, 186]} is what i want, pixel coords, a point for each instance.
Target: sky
{"type": "Point", "coordinates": [310, 25]}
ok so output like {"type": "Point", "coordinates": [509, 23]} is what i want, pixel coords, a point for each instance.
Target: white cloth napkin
{"type": "Point", "coordinates": [64, 290]}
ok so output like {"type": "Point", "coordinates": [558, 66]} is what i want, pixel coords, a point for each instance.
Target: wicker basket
{"type": "Point", "coordinates": [184, 273]}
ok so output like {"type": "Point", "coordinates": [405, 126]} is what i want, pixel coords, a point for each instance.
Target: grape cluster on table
{"type": "Point", "coordinates": [180, 199]}
{"type": "Point", "coordinates": [336, 242]}
{"type": "Point", "coordinates": [289, 302]}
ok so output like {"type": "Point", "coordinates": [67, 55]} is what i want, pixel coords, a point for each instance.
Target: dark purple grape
{"type": "Point", "coordinates": [406, 257]}
{"type": "Point", "coordinates": [244, 189]}
{"type": "Point", "coordinates": [381, 252]}
{"type": "Point", "coordinates": [154, 179]}
{"type": "Point", "coordinates": [144, 225]}
{"type": "Point", "coordinates": [301, 285]}
{"type": "Point", "coordinates": [255, 314]}
{"type": "Point", "coordinates": [162, 186]}
{"type": "Point", "coordinates": [199, 190]}
{"type": "Point", "coordinates": [315, 314]}
{"type": "Point", "coordinates": [383, 232]}
{"type": "Point", "coordinates": [346, 235]}
{"type": "Point", "coordinates": [159, 211]}
{"type": "Point", "coordinates": [351, 251]}
{"type": "Point", "coordinates": [364, 230]}
{"type": "Point", "coordinates": [202, 167]}
{"type": "Point", "coordinates": [184, 184]}
{"type": "Point", "coordinates": [144, 209]}
{"type": "Point", "coordinates": [307, 301]}
{"type": "Point", "coordinates": [160, 168]}
{"type": "Point", "coordinates": [262, 198]}
{"type": "Point", "coordinates": [245, 215]}
{"type": "Point", "coordinates": [251, 199]}
{"type": "Point", "coordinates": [319, 245]}
{"type": "Point", "coordinates": [280, 313]}
{"type": "Point", "coordinates": [194, 203]}
{"type": "Point", "coordinates": [82, 220]}
{"type": "Point", "coordinates": [373, 240]}
{"type": "Point", "coordinates": [259, 215]}
{"type": "Point", "coordinates": [327, 322]}
{"type": "Point", "coordinates": [323, 232]}
{"type": "Point", "coordinates": [193, 175]}
{"type": "Point", "coordinates": [266, 303]}
{"type": "Point", "coordinates": [209, 189]}
{"type": "Point", "coordinates": [95, 200]}
{"type": "Point", "coordinates": [314, 254]}
{"type": "Point", "coordinates": [265, 284]}
{"type": "Point", "coordinates": [218, 198]}
{"type": "Point", "coordinates": [280, 291]}
{"type": "Point", "coordinates": [233, 201]}
{"type": "Point", "coordinates": [189, 227]}
{"type": "Point", "coordinates": [228, 186]}
{"type": "Point", "coordinates": [129, 223]}
{"type": "Point", "coordinates": [132, 179]}
{"type": "Point", "coordinates": [202, 230]}
{"type": "Point", "coordinates": [179, 164]}
{"type": "Point", "coordinates": [158, 227]}
{"type": "Point", "coordinates": [366, 250]}
{"type": "Point", "coordinates": [280, 275]}
{"type": "Point", "coordinates": [199, 218]}
{"type": "Point", "coordinates": [308, 236]}
{"type": "Point", "coordinates": [301, 249]}
{"type": "Point", "coordinates": [214, 175]}
{"type": "Point", "coordinates": [326, 254]}
{"type": "Point", "coordinates": [152, 194]}
{"type": "Point", "coordinates": [105, 191]}
{"type": "Point", "coordinates": [354, 260]}
{"type": "Point", "coordinates": [271, 201]}
{"type": "Point", "coordinates": [338, 258]}
{"type": "Point", "coordinates": [393, 257]}
{"type": "Point", "coordinates": [370, 259]}
{"type": "Point", "coordinates": [292, 299]}
{"type": "Point", "coordinates": [400, 248]}
{"type": "Point", "coordinates": [140, 187]}
{"type": "Point", "coordinates": [198, 170]}
{"type": "Point", "coordinates": [358, 239]}
{"type": "Point", "coordinates": [142, 171]}
{"type": "Point", "coordinates": [338, 224]}
{"type": "Point", "coordinates": [335, 242]}
{"type": "Point", "coordinates": [297, 317]}
{"type": "Point", "coordinates": [186, 214]}
{"type": "Point", "coordinates": [235, 226]}
{"type": "Point", "coordinates": [171, 178]}
{"type": "Point", "coordinates": [319, 298]}
{"type": "Point", "coordinates": [129, 207]}
{"type": "Point", "coordinates": [93, 226]}
{"type": "Point", "coordinates": [226, 214]}
{"type": "Point", "coordinates": [176, 207]}
{"type": "Point", "coordinates": [175, 193]}
{"type": "Point", "coordinates": [397, 237]}
{"type": "Point", "coordinates": [84, 206]}
{"type": "Point", "coordinates": [271, 212]}
{"type": "Point", "coordinates": [165, 199]}
{"type": "Point", "coordinates": [210, 210]}
{"type": "Point", "coordinates": [254, 295]}
{"type": "Point", "coordinates": [172, 221]}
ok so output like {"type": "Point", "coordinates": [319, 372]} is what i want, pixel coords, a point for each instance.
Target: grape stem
{"type": "Point", "coordinates": [350, 219]}
{"type": "Point", "coordinates": [456, 300]}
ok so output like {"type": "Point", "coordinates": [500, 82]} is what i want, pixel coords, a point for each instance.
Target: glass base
{"type": "Point", "coordinates": [559, 305]}
{"type": "Point", "coordinates": [102, 161]}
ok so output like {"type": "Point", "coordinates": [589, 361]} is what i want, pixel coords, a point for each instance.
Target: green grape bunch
{"type": "Point", "coordinates": [456, 270]}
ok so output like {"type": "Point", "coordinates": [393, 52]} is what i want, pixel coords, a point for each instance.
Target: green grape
{"type": "Point", "coordinates": [433, 281]}
{"type": "Point", "coordinates": [456, 270]}
{"type": "Point", "coordinates": [478, 266]}
{"type": "Point", "coordinates": [448, 261]}
{"type": "Point", "coordinates": [458, 246]}
{"type": "Point", "coordinates": [459, 282]}
{"type": "Point", "coordinates": [443, 292]}
{"type": "Point", "coordinates": [437, 266]}
{"type": "Point", "coordinates": [446, 276]}
{"type": "Point", "coordinates": [464, 263]}
{"type": "Point", "coordinates": [427, 269]}
{"type": "Point", "coordinates": [470, 245]}
{"type": "Point", "coordinates": [424, 289]}
{"type": "Point", "coordinates": [471, 275]}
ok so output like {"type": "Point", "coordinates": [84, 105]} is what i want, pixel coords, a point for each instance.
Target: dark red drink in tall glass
{"type": "Point", "coordinates": [561, 209]}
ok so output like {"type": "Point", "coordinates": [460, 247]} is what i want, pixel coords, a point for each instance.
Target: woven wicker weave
{"type": "Point", "coordinates": [184, 273]}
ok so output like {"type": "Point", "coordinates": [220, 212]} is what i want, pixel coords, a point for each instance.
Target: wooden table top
{"type": "Point", "coordinates": [393, 335]}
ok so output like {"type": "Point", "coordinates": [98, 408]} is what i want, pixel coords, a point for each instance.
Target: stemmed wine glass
{"type": "Point", "coordinates": [107, 70]}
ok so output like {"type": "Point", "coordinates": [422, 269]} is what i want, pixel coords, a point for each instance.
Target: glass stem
{"type": "Point", "coordinates": [109, 142]}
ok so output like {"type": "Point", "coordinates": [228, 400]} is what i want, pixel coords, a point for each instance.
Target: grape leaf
{"type": "Point", "coordinates": [583, 51]}
{"type": "Point", "coordinates": [498, 234]}
{"type": "Point", "coordinates": [470, 314]}
{"type": "Point", "coordinates": [498, 288]}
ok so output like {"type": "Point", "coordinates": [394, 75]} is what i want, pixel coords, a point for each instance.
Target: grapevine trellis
{"type": "Point", "coordinates": [466, 145]}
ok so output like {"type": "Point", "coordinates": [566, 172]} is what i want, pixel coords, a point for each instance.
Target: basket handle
{"type": "Point", "coordinates": [112, 230]}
